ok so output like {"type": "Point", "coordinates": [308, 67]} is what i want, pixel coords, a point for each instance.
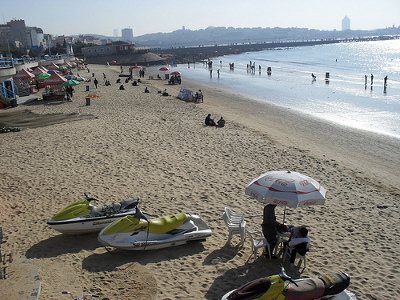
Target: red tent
{"type": "Point", "coordinates": [24, 74]}
{"type": "Point", "coordinates": [55, 79]}
{"type": "Point", "coordinates": [39, 70]}
{"type": "Point", "coordinates": [43, 68]}
{"type": "Point", "coordinates": [52, 66]}
{"type": "Point", "coordinates": [66, 64]}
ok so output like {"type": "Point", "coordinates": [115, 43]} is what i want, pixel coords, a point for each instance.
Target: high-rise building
{"type": "Point", "coordinates": [345, 23]}
{"type": "Point", "coordinates": [34, 37]}
{"type": "Point", "coordinates": [115, 32]}
{"type": "Point", "coordinates": [13, 32]}
{"type": "Point", "coordinates": [127, 35]}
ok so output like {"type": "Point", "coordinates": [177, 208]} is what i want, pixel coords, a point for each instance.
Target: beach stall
{"type": "Point", "coordinates": [39, 70]}
{"type": "Point", "coordinates": [52, 66]}
{"type": "Point", "coordinates": [23, 80]}
{"type": "Point", "coordinates": [53, 87]}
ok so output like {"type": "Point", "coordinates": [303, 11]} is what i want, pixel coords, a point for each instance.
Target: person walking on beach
{"type": "Point", "coordinates": [385, 81]}
{"type": "Point", "coordinates": [95, 82]}
{"type": "Point", "coordinates": [372, 79]}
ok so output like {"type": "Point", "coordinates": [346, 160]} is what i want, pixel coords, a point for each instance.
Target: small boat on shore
{"type": "Point", "coordinates": [82, 217]}
{"type": "Point", "coordinates": [138, 233]}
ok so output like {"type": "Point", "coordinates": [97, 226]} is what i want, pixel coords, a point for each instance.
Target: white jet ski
{"type": "Point", "coordinates": [139, 233]}
{"type": "Point", "coordinates": [82, 217]}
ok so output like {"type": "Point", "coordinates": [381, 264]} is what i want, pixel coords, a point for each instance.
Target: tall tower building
{"type": "Point", "coordinates": [127, 35]}
{"type": "Point", "coordinates": [345, 23]}
{"type": "Point", "coordinates": [115, 32]}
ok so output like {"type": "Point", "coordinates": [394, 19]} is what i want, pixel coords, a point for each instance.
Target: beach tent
{"type": "Point", "coordinates": [39, 70]}
{"type": "Point", "coordinates": [25, 75]}
{"type": "Point", "coordinates": [55, 79]}
{"type": "Point", "coordinates": [52, 66]}
{"type": "Point", "coordinates": [66, 64]}
{"type": "Point", "coordinates": [185, 94]}
{"type": "Point", "coordinates": [43, 68]}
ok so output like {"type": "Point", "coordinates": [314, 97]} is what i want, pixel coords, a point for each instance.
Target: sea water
{"type": "Point", "coordinates": [343, 96]}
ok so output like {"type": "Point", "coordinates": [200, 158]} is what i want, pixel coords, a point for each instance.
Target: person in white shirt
{"type": "Point", "coordinates": [298, 243]}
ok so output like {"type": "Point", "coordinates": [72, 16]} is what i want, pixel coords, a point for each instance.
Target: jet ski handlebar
{"type": "Point", "coordinates": [88, 198]}
{"type": "Point", "coordinates": [285, 276]}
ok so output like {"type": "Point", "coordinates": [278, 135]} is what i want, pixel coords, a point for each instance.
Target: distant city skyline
{"type": "Point", "coordinates": [75, 17]}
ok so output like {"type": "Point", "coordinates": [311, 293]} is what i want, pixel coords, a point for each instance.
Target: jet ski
{"type": "Point", "coordinates": [138, 233]}
{"type": "Point", "coordinates": [82, 217]}
{"type": "Point", "coordinates": [284, 287]}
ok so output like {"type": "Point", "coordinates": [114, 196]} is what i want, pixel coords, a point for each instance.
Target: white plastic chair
{"type": "Point", "coordinates": [234, 216]}
{"type": "Point", "coordinates": [233, 227]}
{"type": "Point", "coordinates": [288, 252]}
{"type": "Point", "coordinates": [258, 242]}
{"type": "Point", "coordinates": [242, 232]}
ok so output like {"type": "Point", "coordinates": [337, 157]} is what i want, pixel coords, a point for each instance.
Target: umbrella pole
{"type": "Point", "coordinates": [284, 215]}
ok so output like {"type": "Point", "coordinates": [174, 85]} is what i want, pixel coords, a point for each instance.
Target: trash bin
{"type": "Point", "coordinates": [87, 88]}
{"type": "Point", "coordinates": [14, 103]}
{"type": "Point", "coordinates": [88, 101]}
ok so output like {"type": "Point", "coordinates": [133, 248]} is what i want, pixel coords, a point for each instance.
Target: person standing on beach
{"type": "Point", "coordinates": [269, 227]}
{"type": "Point", "coordinates": [372, 79]}
{"type": "Point", "coordinates": [95, 82]}
{"type": "Point", "coordinates": [385, 81]}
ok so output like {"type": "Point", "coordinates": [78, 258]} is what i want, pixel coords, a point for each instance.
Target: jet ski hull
{"type": "Point", "coordinates": [345, 295]}
{"type": "Point", "coordinates": [82, 225]}
{"type": "Point", "coordinates": [194, 229]}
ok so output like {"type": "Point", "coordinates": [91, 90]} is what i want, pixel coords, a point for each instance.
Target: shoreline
{"type": "Point", "coordinates": [157, 149]}
{"type": "Point", "coordinates": [298, 130]}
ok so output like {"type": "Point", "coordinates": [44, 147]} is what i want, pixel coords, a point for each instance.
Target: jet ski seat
{"type": "Point", "coordinates": [129, 203]}
{"type": "Point", "coordinates": [116, 207]}
{"type": "Point", "coordinates": [165, 224]}
{"type": "Point", "coordinates": [94, 210]}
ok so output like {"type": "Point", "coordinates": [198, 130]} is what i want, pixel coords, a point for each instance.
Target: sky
{"type": "Point", "coordinates": [73, 17]}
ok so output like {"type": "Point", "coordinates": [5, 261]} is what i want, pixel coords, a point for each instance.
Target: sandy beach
{"type": "Point", "coordinates": [130, 144]}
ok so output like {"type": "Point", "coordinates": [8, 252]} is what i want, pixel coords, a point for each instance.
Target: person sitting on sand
{"type": "Point", "coordinates": [118, 80]}
{"type": "Point", "coordinates": [121, 87]}
{"type": "Point", "coordinates": [221, 122]}
{"type": "Point", "coordinates": [164, 92]}
{"type": "Point", "coordinates": [146, 90]}
{"type": "Point", "coordinates": [208, 121]}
